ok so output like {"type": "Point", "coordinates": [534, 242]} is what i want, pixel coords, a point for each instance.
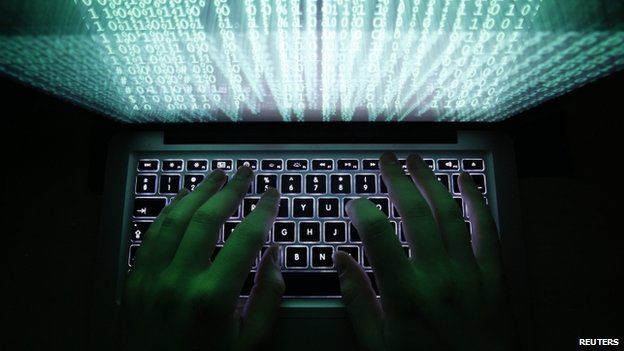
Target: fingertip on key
{"type": "Point", "coordinates": [244, 171]}
{"type": "Point", "coordinates": [465, 177]}
{"type": "Point", "coordinates": [388, 157]}
{"type": "Point", "coordinates": [271, 193]}
{"type": "Point", "coordinates": [217, 175]}
{"type": "Point", "coordinates": [415, 161]}
{"type": "Point", "coordinates": [464, 180]}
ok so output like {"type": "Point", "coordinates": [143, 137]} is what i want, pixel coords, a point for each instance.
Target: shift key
{"type": "Point", "coordinates": [148, 206]}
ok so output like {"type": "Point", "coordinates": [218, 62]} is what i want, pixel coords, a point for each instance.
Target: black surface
{"type": "Point", "coordinates": [568, 151]}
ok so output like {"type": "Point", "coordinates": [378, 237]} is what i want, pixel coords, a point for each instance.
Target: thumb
{"type": "Point", "coordinates": [264, 301]}
{"type": "Point", "coordinates": [362, 305]}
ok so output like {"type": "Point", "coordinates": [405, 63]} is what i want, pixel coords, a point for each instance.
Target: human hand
{"type": "Point", "coordinates": [451, 294]}
{"type": "Point", "coordinates": [177, 299]}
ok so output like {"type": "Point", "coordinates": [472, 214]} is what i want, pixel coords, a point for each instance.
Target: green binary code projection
{"type": "Point", "coordinates": [298, 60]}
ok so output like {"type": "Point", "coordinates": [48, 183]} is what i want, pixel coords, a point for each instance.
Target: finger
{"type": "Point", "coordinates": [420, 228]}
{"type": "Point", "coordinates": [361, 303]}
{"type": "Point", "coordinates": [447, 214]}
{"type": "Point", "coordinates": [143, 252]}
{"type": "Point", "coordinates": [234, 261]}
{"type": "Point", "coordinates": [382, 247]}
{"type": "Point", "coordinates": [203, 229]}
{"type": "Point", "coordinates": [172, 229]}
{"type": "Point", "coordinates": [264, 301]}
{"type": "Point", "coordinates": [485, 241]}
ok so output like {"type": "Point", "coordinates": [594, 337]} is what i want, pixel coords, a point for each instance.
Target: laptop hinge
{"type": "Point", "coordinates": [312, 133]}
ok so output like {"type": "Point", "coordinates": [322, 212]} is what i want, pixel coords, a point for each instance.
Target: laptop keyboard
{"type": "Point", "coordinates": [311, 222]}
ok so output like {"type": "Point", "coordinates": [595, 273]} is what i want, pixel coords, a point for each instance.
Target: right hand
{"type": "Point", "coordinates": [451, 295]}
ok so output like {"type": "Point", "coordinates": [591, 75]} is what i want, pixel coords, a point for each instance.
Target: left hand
{"type": "Point", "coordinates": [176, 298]}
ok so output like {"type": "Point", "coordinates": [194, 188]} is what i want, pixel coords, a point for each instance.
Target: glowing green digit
{"type": "Point", "coordinates": [410, 60]}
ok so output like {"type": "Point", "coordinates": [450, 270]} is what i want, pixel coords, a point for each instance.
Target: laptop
{"type": "Point", "coordinates": [308, 94]}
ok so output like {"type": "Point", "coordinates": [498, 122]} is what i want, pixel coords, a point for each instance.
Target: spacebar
{"type": "Point", "coordinates": [308, 284]}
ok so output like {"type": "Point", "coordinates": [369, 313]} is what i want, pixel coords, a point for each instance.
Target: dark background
{"type": "Point", "coordinates": [569, 159]}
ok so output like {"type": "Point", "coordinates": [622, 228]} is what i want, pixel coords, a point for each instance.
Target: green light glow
{"type": "Point", "coordinates": [294, 60]}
